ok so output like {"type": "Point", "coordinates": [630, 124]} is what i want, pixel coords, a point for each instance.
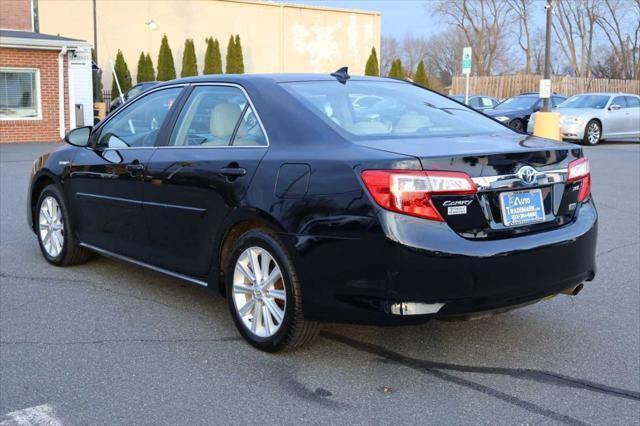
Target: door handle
{"type": "Point", "coordinates": [135, 167]}
{"type": "Point", "coordinates": [233, 171]}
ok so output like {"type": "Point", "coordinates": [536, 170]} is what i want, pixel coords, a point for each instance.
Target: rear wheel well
{"type": "Point", "coordinates": [38, 187]}
{"type": "Point", "coordinates": [230, 237]}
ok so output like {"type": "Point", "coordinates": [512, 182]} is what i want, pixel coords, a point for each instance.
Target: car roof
{"type": "Point", "coordinates": [607, 94]}
{"type": "Point", "coordinates": [273, 78]}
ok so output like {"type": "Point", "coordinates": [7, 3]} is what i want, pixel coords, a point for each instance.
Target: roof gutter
{"type": "Point", "coordinates": [46, 44]}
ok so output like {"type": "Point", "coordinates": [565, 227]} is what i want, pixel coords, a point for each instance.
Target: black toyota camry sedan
{"type": "Point", "coordinates": [303, 205]}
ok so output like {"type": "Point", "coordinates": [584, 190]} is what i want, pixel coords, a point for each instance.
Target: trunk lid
{"type": "Point", "coordinates": [496, 164]}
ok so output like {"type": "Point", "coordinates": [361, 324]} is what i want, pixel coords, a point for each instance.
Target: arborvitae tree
{"type": "Point", "coordinates": [123, 75]}
{"type": "Point", "coordinates": [151, 72]}
{"type": "Point", "coordinates": [166, 67]}
{"type": "Point", "coordinates": [96, 75]}
{"type": "Point", "coordinates": [239, 57]}
{"type": "Point", "coordinates": [189, 61]}
{"type": "Point", "coordinates": [231, 56]}
{"type": "Point", "coordinates": [145, 69]}
{"type": "Point", "coordinates": [396, 70]}
{"type": "Point", "coordinates": [421, 76]}
{"type": "Point", "coordinates": [372, 67]}
{"type": "Point", "coordinates": [212, 58]}
{"type": "Point", "coordinates": [142, 67]}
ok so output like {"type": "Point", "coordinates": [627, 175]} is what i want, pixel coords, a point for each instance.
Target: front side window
{"type": "Point", "coordinates": [403, 110]}
{"type": "Point", "coordinates": [19, 94]}
{"type": "Point", "coordinates": [633, 101]}
{"type": "Point", "coordinates": [138, 124]}
{"type": "Point", "coordinates": [620, 101]}
{"type": "Point", "coordinates": [217, 116]}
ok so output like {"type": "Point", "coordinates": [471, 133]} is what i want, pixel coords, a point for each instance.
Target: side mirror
{"type": "Point", "coordinates": [614, 107]}
{"type": "Point", "coordinates": [79, 136]}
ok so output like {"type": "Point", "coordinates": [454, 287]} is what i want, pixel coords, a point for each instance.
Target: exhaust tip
{"type": "Point", "coordinates": [573, 291]}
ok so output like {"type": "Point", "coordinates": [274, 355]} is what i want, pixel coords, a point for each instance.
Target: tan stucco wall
{"type": "Point", "coordinates": [275, 37]}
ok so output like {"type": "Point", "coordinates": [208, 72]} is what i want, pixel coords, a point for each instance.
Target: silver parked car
{"type": "Point", "coordinates": [592, 117]}
{"type": "Point", "coordinates": [478, 102]}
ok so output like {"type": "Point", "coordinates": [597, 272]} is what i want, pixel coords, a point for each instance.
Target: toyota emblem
{"type": "Point", "coordinates": [527, 174]}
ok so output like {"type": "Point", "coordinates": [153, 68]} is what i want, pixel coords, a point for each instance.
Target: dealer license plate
{"type": "Point", "coordinates": [522, 207]}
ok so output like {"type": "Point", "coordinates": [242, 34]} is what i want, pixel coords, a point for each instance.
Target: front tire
{"type": "Point", "coordinates": [56, 235]}
{"type": "Point", "coordinates": [517, 124]}
{"type": "Point", "coordinates": [264, 294]}
{"type": "Point", "coordinates": [592, 133]}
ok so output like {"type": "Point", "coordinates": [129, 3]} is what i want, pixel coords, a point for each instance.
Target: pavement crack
{"type": "Point", "coordinates": [86, 282]}
{"type": "Point", "coordinates": [436, 369]}
{"type": "Point", "coordinates": [618, 248]}
{"type": "Point", "coordinates": [132, 340]}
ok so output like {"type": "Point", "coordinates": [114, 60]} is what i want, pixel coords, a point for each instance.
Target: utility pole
{"type": "Point", "coordinates": [547, 53]}
{"type": "Point", "coordinates": [95, 31]}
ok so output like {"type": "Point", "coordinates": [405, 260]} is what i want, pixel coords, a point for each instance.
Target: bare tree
{"type": "Point", "coordinates": [389, 51]}
{"type": "Point", "coordinates": [483, 23]}
{"type": "Point", "coordinates": [414, 50]}
{"type": "Point", "coordinates": [522, 11]}
{"type": "Point", "coordinates": [574, 25]}
{"type": "Point", "coordinates": [620, 23]}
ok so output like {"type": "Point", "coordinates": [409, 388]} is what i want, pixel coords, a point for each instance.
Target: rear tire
{"type": "Point", "coordinates": [262, 287]}
{"type": "Point", "coordinates": [56, 236]}
{"type": "Point", "coordinates": [592, 133]}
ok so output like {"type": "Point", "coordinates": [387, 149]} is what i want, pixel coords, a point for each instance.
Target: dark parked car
{"type": "Point", "coordinates": [516, 110]}
{"type": "Point", "coordinates": [130, 94]}
{"type": "Point", "coordinates": [302, 207]}
{"type": "Point", "coordinates": [478, 102]}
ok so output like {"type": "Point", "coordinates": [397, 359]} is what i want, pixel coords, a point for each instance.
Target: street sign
{"type": "Point", "coordinates": [466, 60]}
{"type": "Point", "coordinates": [545, 89]}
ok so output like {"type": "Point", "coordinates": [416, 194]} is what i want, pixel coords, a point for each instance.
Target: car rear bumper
{"type": "Point", "coordinates": [412, 266]}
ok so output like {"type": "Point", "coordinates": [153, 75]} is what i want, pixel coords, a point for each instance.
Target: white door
{"type": "Point", "coordinates": [633, 114]}
{"type": "Point", "coordinates": [615, 123]}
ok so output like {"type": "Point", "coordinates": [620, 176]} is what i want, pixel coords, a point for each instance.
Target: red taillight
{"type": "Point", "coordinates": [580, 171]}
{"type": "Point", "coordinates": [409, 191]}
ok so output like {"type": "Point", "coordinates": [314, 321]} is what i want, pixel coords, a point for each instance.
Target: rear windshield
{"type": "Point", "coordinates": [392, 109]}
{"type": "Point", "coordinates": [585, 101]}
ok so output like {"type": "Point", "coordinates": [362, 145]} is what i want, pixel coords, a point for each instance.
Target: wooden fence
{"type": "Point", "coordinates": [504, 86]}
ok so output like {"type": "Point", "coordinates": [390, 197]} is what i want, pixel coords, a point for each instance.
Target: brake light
{"type": "Point", "coordinates": [580, 171]}
{"type": "Point", "coordinates": [409, 191]}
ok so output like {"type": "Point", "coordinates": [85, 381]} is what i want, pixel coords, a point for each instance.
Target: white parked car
{"type": "Point", "coordinates": [592, 117]}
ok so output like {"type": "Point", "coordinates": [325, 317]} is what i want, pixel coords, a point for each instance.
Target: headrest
{"type": "Point", "coordinates": [223, 120]}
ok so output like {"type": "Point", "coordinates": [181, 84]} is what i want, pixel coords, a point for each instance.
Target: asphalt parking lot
{"type": "Point", "coordinates": [110, 343]}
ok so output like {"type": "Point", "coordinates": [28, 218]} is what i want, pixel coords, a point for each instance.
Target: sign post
{"type": "Point", "coordinates": [466, 70]}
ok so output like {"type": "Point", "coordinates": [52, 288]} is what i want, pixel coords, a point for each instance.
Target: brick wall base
{"type": "Point", "coordinates": [47, 128]}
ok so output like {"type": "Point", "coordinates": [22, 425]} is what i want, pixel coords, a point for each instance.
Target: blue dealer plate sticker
{"type": "Point", "coordinates": [522, 207]}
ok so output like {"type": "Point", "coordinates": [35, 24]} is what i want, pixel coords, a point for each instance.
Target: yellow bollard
{"type": "Point", "coordinates": [547, 125]}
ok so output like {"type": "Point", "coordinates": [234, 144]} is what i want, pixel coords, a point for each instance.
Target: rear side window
{"type": "Point", "coordinates": [217, 116]}
{"type": "Point", "coordinates": [138, 124]}
{"type": "Point", "coordinates": [402, 110]}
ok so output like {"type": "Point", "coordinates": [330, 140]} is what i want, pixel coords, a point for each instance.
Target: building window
{"type": "Point", "coordinates": [19, 94]}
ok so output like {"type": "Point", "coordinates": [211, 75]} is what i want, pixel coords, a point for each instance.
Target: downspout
{"type": "Point", "coordinates": [61, 55]}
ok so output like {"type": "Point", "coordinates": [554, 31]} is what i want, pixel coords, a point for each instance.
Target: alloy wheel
{"type": "Point", "coordinates": [51, 226]}
{"type": "Point", "coordinates": [259, 293]}
{"type": "Point", "coordinates": [593, 133]}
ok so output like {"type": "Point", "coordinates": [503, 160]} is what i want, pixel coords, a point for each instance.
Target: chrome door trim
{"type": "Point", "coordinates": [512, 181]}
{"type": "Point", "coordinates": [116, 256]}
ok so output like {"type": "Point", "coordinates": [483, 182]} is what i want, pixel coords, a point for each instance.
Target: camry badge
{"type": "Point", "coordinates": [527, 174]}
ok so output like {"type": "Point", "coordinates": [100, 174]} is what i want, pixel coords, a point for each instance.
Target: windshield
{"type": "Point", "coordinates": [585, 101]}
{"type": "Point", "coordinates": [402, 110]}
{"type": "Point", "coordinates": [458, 98]}
{"type": "Point", "coordinates": [518, 102]}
